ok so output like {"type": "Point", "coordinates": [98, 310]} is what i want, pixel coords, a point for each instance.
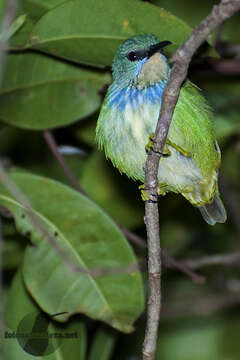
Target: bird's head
{"type": "Point", "coordinates": [139, 61]}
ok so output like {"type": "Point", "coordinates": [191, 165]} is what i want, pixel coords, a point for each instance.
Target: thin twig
{"type": "Point", "coordinates": [54, 148]}
{"type": "Point", "coordinates": [167, 261]}
{"type": "Point", "coordinates": [171, 263]}
{"type": "Point", "coordinates": [205, 305]}
{"type": "Point", "coordinates": [181, 60]}
{"type": "Point", "coordinates": [214, 67]}
{"type": "Point", "coordinates": [227, 49]}
{"type": "Point", "coordinates": [225, 259]}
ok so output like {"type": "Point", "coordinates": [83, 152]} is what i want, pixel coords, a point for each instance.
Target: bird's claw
{"type": "Point", "coordinates": [149, 147]}
{"type": "Point", "coordinates": [152, 201]}
{"type": "Point", "coordinates": [164, 154]}
{"type": "Point", "coordinates": [145, 197]}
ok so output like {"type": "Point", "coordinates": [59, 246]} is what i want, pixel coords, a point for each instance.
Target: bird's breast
{"type": "Point", "coordinates": [134, 97]}
{"type": "Point", "coordinates": [154, 70]}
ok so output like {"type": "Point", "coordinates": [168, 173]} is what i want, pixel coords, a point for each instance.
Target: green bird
{"type": "Point", "coordinates": [129, 116]}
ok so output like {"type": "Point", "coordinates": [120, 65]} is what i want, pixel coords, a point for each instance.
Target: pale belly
{"type": "Point", "coordinates": [126, 136]}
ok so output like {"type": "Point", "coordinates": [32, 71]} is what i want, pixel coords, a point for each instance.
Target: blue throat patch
{"type": "Point", "coordinates": [135, 97]}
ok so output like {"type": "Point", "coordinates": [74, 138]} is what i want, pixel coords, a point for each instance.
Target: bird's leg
{"type": "Point", "coordinates": [149, 147]}
{"type": "Point", "coordinates": [160, 192]}
{"type": "Point", "coordinates": [166, 151]}
{"type": "Point", "coordinates": [178, 148]}
{"type": "Point", "coordinates": [144, 194]}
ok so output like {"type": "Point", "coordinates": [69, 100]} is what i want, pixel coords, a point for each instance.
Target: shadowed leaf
{"type": "Point", "coordinates": [19, 305]}
{"type": "Point", "coordinates": [39, 92]}
{"type": "Point", "coordinates": [91, 34]}
{"type": "Point", "coordinates": [90, 240]}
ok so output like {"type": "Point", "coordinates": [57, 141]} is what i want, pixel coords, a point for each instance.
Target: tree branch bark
{"type": "Point", "coordinates": [218, 259]}
{"type": "Point", "coordinates": [181, 60]}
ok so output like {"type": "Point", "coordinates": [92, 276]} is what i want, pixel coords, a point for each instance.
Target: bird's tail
{"type": "Point", "coordinates": [214, 212]}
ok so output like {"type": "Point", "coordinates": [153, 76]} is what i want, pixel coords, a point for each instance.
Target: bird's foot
{"type": "Point", "coordinates": [150, 147]}
{"type": "Point", "coordinates": [178, 148]}
{"type": "Point", "coordinates": [145, 197]}
{"type": "Point", "coordinates": [153, 198]}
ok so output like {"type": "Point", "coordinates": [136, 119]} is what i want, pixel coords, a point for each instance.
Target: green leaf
{"type": "Point", "coordinates": [90, 33]}
{"type": "Point", "coordinates": [102, 345]}
{"type": "Point", "coordinates": [15, 26]}
{"type": "Point", "coordinates": [116, 194]}
{"type": "Point", "coordinates": [19, 305]}
{"type": "Point", "coordinates": [20, 38]}
{"type": "Point", "coordinates": [2, 9]}
{"type": "Point", "coordinates": [37, 8]}
{"type": "Point", "coordinates": [39, 92]}
{"type": "Point", "coordinates": [90, 240]}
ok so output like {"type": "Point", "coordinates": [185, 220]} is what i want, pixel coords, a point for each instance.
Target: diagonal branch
{"type": "Point", "coordinates": [181, 60]}
{"type": "Point", "coordinates": [48, 137]}
{"type": "Point", "coordinates": [210, 260]}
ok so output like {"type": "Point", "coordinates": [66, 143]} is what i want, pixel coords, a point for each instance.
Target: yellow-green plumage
{"type": "Point", "coordinates": [129, 115]}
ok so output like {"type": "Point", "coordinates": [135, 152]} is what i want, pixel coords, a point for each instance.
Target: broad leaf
{"type": "Point", "coordinates": [13, 28]}
{"type": "Point", "coordinates": [90, 240]}
{"type": "Point", "coordinates": [37, 8]}
{"type": "Point", "coordinates": [102, 344]}
{"type": "Point", "coordinates": [20, 38]}
{"type": "Point", "coordinates": [39, 92]}
{"type": "Point", "coordinates": [90, 33]}
{"type": "Point", "coordinates": [19, 305]}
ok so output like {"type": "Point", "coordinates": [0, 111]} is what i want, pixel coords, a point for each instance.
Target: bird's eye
{"type": "Point", "coordinates": [132, 56]}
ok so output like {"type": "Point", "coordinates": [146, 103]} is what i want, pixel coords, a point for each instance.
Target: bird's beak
{"type": "Point", "coordinates": [155, 48]}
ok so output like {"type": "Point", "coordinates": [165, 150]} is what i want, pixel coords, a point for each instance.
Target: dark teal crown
{"type": "Point", "coordinates": [137, 42]}
{"type": "Point", "coordinates": [124, 70]}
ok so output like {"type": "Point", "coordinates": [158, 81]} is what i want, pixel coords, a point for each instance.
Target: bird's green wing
{"type": "Point", "coordinates": [192, 128]}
